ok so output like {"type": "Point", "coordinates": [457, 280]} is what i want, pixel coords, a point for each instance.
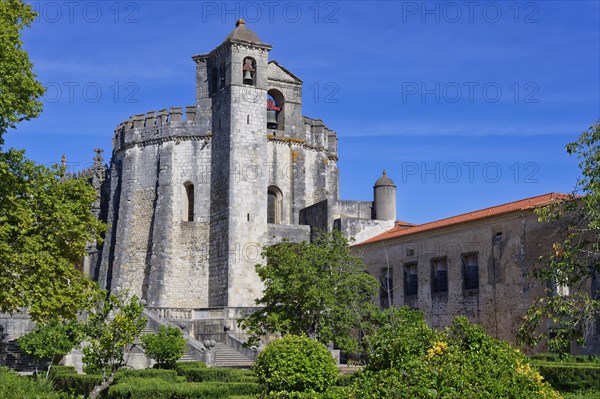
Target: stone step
{"type": "Point", "coordinates": [13, 358]}
{"type": "Point", "coordinates": [186, 358]}
{"type": "Point", "coordinates": [226, 356]}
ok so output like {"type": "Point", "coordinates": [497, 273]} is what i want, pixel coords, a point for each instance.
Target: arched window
{"type": "Point", "coordinates": [249, 71]}
{"type": "Point", "coordinates": [274, 205]}
{"type": "Point", "coordinates": [188, 202]}
{"type": "Point", "coordinates": [275, 110]}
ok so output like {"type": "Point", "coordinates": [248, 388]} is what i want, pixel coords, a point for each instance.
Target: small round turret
{"type": "Point", "coordinates": [384, 194]}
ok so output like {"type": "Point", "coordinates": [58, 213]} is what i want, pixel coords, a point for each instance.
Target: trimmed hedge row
{"type": "Point", "coordinates": [163, 374]}
{"type": "Point", "coordinates": [217, 374]}
{"type": "Point", "coordinates": [156, 388]}
{"type": "Point", "coordinates": [79, 384]}
{"type": "Point", "coordinates": [570, 377]}
{"type": "Point", "coordinates": [334, 392]}
{"type": "Point", "coordinates": [66, 379]}
{"type": "Point", "coordinates": [566, 358]}
{"type": "Point", "coordinates": [180, 366]}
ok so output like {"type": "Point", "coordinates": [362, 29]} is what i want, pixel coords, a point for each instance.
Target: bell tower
{"type": "Point", "coordinates": [231, 93]}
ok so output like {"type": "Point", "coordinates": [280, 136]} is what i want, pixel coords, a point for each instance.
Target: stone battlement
{"type": "Point", "coordinates": [156, 126]}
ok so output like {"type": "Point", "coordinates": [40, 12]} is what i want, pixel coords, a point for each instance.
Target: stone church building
{"type": "Point", "coordinates": [193, 194]}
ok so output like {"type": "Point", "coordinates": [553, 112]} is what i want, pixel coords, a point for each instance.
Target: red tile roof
{"type": "Point", "coordinates": [404, 228]}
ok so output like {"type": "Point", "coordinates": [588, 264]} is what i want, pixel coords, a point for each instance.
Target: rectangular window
{"type": "Point", "coordinates": [470, 264]}
{"type": "Point", "coordinates": [411, 279]}
{"type": "Point", "coordinates": [386, 287]}
{"type": "Point", "coordinates": [439, 271]}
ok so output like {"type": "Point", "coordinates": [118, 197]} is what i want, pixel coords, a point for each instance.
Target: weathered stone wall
{"type": "Point", "coordinates": [360, 229]}
{"type": "Point", "coordinates": [149, 249]}
{"type": "Point", "coordinates": [14, 326]}
{"type": "Point", "coordinates": [276, 233]}
{"type": "Point", "coordinates": [507, 247]}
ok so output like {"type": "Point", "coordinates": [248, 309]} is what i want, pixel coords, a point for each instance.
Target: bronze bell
{"type": "Point", "coordinates": [271, 119]}
{"type": "Point", "coordinates": [248, 79]}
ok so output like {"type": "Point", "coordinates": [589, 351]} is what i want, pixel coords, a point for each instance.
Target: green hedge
{"type": "Point", "coordinates": [566, 358]}
{"type": "Point", "coordinates": [570, 377]}
{"type": "Point", "coordinates": [331, 393]}
{"type": "Point", "coordinates": [179, 366]}
{"type": "Point", "coordinates": [216, 374]}
{"type": "Point", "coordinates": [156, 388]}
{"type": "Point", "coordinates": [54, 370]}
{"type": "Point", "coordinates": [164, 374]}
{"type": "Point", "coordinates": [80, 384]}
{"type": "Point", "coordinates": [14, 386]}
{"type": "Point", "coordinates": [66, 379]}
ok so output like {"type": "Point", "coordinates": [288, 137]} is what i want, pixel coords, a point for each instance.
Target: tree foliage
{"type": "Point", "coordinates": [316, 289]}
{"type": "Point", "coordinates": [50, 341]}
{"type": "Point", "coordinates": [295, 364]}
{"type": "Point", "coordinates": [572, 309]}
{"type": "Point", "coordinates": [166, 347]}
{"type": "Point", "coordinates": [111, 328]}
{"type": "Point", "coordinates": [410, 360]}
{"type": "Point", "coordinates": [19, 90]}
{"type": "Point", "coordinates": [45, 224]}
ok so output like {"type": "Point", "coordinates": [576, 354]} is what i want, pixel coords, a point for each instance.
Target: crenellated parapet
{"type": "Point", "coordinates": [158, 126]}
{"type": "Point", "coordinates": [320, 136]}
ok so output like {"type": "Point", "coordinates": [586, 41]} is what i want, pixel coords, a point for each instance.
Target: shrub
{"type": "Point", "coordinates": [459, 362]}
{"type": "Point", "coordinates": [295, 364]}
{"type": "Point", "coordinates": [345, 380]}
{"type": "Point", "coordinates": [166, 347]}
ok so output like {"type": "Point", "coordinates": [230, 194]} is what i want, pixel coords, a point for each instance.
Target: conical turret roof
{"type": "Point", "coordinates": [384, 181]}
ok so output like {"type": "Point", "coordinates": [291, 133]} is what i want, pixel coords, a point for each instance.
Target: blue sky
{"type": "Point", "coordinates": [466, 104]}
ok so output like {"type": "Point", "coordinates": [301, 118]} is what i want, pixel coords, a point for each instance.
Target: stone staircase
{"type": "Point", "coordinates": [226, 356]}
{"type": "Point", "coordinates": [13, 358]}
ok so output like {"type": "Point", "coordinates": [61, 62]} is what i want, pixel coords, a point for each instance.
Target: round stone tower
{"type": "Point", "coordinates": [384, 194]}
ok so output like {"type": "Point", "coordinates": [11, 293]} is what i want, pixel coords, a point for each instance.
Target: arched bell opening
{"type": "Point", "coordinates": [249, 71]}
{"type": "Point", "coordinates": [275, 110]}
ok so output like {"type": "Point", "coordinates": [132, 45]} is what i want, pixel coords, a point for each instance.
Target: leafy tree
{"type": "Point", "coordinates": [166, 347]}
{"type": "Point", "coordinates": [295, 364]}
{"type": "Point", "coordinates": [316, 289]}
{"type": "Point", "coordinates": [111, 328]}
{"type": "Point", "coordinates": [409, 360]}
{"type": "Point", "coordinates": [50, 341]}
{"type": "Point", "coordinates": [45, 224]}
{"type": "Point", "coordinates": [572, 309]}
{"type": "Point", "coordinates": [19, 90]}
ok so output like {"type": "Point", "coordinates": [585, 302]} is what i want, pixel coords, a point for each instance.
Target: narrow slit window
{"type": "Point", "coordinates": [188, 202]}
